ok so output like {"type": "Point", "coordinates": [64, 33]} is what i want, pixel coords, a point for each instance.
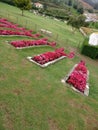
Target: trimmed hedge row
{"type": "Point", "coordinates": [88, 50]}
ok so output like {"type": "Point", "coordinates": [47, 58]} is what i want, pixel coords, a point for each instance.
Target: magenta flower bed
{"type": "Point", "coordinates": [6, 24]}
{"type": "Point", "coordinates": [17, 30]}
{"type": "Point", "coordinates": [29, 43]}
{"type": "Point", "coordinates": [78, 77]}
{"type": "Point", "coordinates": [48, 57]}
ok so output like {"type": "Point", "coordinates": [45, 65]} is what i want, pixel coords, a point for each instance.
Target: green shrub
{"type": "Point", "coordinates": [88, 50]}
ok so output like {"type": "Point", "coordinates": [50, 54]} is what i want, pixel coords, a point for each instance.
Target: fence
{"type": "Point", "coordinates": [16, 18]}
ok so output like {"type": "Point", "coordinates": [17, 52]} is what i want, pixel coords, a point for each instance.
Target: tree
{"type": "Point", "coordinates": [80, 10]}
{"type": "Point", "coordinates": [8, 2]}
{"type": "Point", "coordinates": [76, 22]}
{"type": "Point", "coordinates": [23, 5]}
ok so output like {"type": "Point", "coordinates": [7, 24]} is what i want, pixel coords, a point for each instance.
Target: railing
{"type": "Point", "coordinates": [15, 18]}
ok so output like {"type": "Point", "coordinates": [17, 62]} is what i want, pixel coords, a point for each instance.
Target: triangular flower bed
{"type": "Point", "coordinates": [78, 78]}
{"type": "Point", "coordinates": [47, 58]}
{"type": "Point", "coordinates": [21, 44]}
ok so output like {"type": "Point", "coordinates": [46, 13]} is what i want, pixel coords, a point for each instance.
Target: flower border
{"type": "Point", "coordinates": [19, 48]}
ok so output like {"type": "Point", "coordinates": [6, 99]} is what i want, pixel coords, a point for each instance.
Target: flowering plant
{"type": "Point", "coordinates": [49, 56]}
{"type": "Point", "coordinates": [78, 77]}
{"type": "Point", "coordinates": [17, 30]}
{"type": "Point", "coordinates": [26, 43]}
{"type": "Point", "coordinates": [7, 24]}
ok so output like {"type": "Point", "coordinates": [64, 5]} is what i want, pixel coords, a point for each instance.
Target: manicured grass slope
{"type": "Point", "coordinates": [32, 98]}
{"type": "Point", "coordinates": [60, 30]}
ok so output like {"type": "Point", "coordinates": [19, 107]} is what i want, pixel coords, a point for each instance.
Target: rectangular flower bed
{"type": "Point", "coordinates": [77, 78]}
{"type": "Point", "coordinates": [45, 59]}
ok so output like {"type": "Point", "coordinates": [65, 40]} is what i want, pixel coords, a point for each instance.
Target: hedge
{"type": "Point", "coordinates": [89, 50]}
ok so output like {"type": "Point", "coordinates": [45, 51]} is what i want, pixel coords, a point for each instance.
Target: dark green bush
{"type": "Point", "coordinates": [8, 1]}
{"type": "Point", "coordinates": [88, 50]}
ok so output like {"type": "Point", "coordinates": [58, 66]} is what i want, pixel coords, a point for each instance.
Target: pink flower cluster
{"type": "Point", "coordinates": [78, 77]}
{"type": "Point", "coordinates": [10, 32]}
{"type": "Point", "coordinates": [6, 24]}
{"type": "Point", "coordinates": [26, 43]}
{"type": "Point", "coordinates": [71, 55]}
{"type": "Point", "coordinates": [16, 30]}
{"type": "Point", "coordinates": [81, 68]}
{"type": "Point", "coordinates": [49, 56]}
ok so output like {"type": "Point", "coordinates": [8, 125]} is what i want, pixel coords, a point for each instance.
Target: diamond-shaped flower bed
{"type": "Point", "coordinates": [47, 58]}
{"type": "Point", "coordinates": [78, 78]}
{"type": "Point", "coordinates": [20, 44]}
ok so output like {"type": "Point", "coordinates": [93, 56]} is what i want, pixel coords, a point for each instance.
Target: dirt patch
{"type": "Point", "coordinates": [71, 127]}
{"type": "Point", "coordinates": [77, 105]}
{"type": "Point", "coordinates": [38, 78]}
{"type": "Point", "coordinates": [8, 66]}
{"type": "Point", "coordinates": [17, 92]}
{"type": "Point", "coordinates": [24, 63]}
{"type": "Point", "coordinates": [52, 124]}
{"type": "Point", "coordinates": [74, 104]}
{"type": "Point", "coordinates": [25, 81]}
{"type": "Point", "coordinates": [2, 77]}
{"type": "Point", "coordinates": [91, 123]}
{"type": "Point", "coordinates": [49, 86]}
{"type": "Point", "coordinates": [7, 120]}
{"type": "Point", "coordinates": [85, 107]}
{"type": "Point", "coordinates": [12, 68]}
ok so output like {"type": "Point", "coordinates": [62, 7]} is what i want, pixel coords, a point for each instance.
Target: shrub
{"type": "Point", "coordinates": [88, 50]}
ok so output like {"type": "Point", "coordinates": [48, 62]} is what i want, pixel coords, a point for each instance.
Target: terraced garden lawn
{"type": "Point", "coordinates": [33, 98]}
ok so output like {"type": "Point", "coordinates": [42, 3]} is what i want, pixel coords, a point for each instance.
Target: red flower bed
{"type": "Point", "coordinates": [26, 43]}
{"type": "Point", "coordinates": [48, 56]}
{"type": "Point", "coordinates": [7, 24]}
{"type": "Point", "coordinates": [17, 30]}
{"type": "Point", "coordinates": [78, 77]}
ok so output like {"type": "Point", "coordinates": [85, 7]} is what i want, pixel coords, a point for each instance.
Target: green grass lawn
{"type": "Point", "coordinates": [33, 98]}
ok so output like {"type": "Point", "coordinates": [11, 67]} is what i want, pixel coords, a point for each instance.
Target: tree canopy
{"type": "Point", "coordinates": [77, 22]}
{"type": "Point", "coordinates": [23, 4]}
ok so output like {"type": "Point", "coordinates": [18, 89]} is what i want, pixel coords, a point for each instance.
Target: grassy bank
{"type": "Point", "coordinates": [32, 98]}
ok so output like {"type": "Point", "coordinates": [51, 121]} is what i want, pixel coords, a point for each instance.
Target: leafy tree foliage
{"type": "Point", "coordinates": [80, 9]}
{"type": "Point", "coordinates": [77, 22]}
{"type": "Point", "coordinates": [23, 5]}
{"type": "Point", "coordinates": [8, 2]}
{"type": "Point", "coordinates": [93, 25]}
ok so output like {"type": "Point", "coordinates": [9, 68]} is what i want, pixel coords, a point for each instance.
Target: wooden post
{"type": "Point", "coordinates": [57, 36]}
{"type": "Point", "coordinates": [35, 27]}
{"type": "Point", "coordinates": [26, 24]}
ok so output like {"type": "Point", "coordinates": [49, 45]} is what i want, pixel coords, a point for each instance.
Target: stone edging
{"type": "Point", "coordinates": [15, 35]}
{"type": "Point", "coordinates": [46, 64]}
{"type": "Point", "coordinates": [81, 30]}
